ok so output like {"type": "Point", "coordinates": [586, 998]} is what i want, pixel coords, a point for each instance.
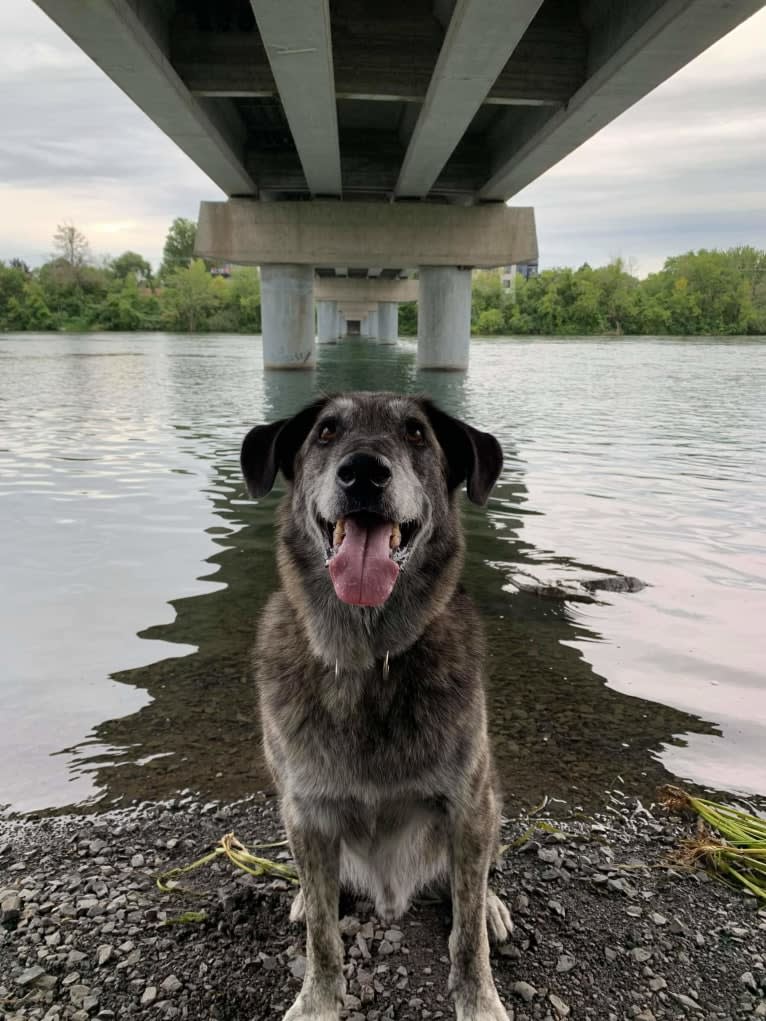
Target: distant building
{"type": "Point", "coordinates": [518, 269]}
{"type": "Point", "coordinates": [221, 271]}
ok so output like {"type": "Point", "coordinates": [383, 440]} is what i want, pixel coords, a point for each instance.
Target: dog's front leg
{"type": "Point", "coordinates": [318, 861]}
{"type": "Point", "coordinates": [474, 835]}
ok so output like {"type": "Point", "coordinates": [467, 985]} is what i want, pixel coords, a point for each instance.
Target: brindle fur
{"type": "Point", "coordinates": [386, 782]}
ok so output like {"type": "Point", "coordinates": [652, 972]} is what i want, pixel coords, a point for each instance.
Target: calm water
{"type": "Point", "coordinates": [133, 567]}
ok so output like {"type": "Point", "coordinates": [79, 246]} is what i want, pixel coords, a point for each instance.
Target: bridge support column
{"type": "Point", "coordinates": [388, 321]}
{"type": "Point", "coordinates": [444, 317]}
{"type": "Point", "coordinates": [341, 325]}
{"type": "Point", "coordinates": [372, 323]}
{"type": "Point", "coordinates": [287, 316]}
{"type": "Point", "coordinates": [327, 322]}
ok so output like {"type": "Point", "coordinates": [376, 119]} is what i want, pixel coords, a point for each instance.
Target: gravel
{"type": "Point", "coordinates": [603, 928]}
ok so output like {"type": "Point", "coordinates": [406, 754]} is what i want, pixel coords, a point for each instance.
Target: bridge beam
{"type": "Point", "coordinates": [126, 41]}
{"type": "Point", "coordinates": [363, 289]}
{"type": "Point", "coordinates": [298, 43]}
{"type": "Point", "coordinates": [481, 36]}
{"type": "Point", "coordinates": [361, 234]}
{"type": "Point", "coordinates": [633, 48]}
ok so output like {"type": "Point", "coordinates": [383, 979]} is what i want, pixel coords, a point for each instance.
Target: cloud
{"type": "Point", "coordinates": [74, 147]}
{"type": "Point", "coordinates": [681, 169]}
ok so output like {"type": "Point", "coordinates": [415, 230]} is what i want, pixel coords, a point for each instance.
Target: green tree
{"type": "Point", "coordinates": [125, 308]}
{"type": "Point", "coordinates": [71, 245]}
{"type": "Point", "coordinates": [408, 319]}
{"type": "Point", "coordinates": [243, 295]}
{"type": "Point", "coordinates": [179, 246]}
{"type": "Point", "coordinates": [132, 263]}
{"type": "Point", "coordinates": [190, 297]}
{"type": "Point", "coordinates": [12, 282]}
{"type": "Point", "coordinates": [618, 296]}
{"type": "Point", "coordinates": [490, 322]}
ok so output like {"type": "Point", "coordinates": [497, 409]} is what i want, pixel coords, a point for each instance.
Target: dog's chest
{"type": "Point", "coordinates": [358, 736]}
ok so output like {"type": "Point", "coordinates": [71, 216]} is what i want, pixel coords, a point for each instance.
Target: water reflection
{"type": "Point", "coordinates": [557, 727]}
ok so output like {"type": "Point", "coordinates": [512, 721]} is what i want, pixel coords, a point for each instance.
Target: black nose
{"type": "Point", "coordinates": [362, 472]}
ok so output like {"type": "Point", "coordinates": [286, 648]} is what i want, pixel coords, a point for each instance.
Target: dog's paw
{"type": "Point", "coordinates": [485, 1006]}
{"type": "Point", "coordinates": [298, 908]}
{"type": "Point", "coordinates": [499, 922]}
{"type": "Point", "coordinates": [308, 1008]}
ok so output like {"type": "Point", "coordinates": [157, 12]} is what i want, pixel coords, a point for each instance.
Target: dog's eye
{"type": "Point", "coordinates": [328, 431]}
{"type": "Point", "coordinates": [414, 432]}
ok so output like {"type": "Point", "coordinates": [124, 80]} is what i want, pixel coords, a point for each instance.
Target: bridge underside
{"type": "Point", "coordinates": [437, 103]}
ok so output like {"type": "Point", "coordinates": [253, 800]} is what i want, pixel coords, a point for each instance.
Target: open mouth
{"type": "Point", "coordinates": [365, 554]}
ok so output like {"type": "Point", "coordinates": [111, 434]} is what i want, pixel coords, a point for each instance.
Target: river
{"type": "Point", "coordinates": [134, 566]}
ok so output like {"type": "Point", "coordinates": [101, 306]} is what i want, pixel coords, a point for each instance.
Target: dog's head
{"type": "Point", "coordinates": [372, 477]}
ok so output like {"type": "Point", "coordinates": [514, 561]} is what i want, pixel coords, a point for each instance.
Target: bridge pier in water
{"type": "Point", "coordinates": [327, 322]}
{"type": "Point", "coordinates": [372, 324]}
{"type": "Point", "coordinates": [444, 317]}
{"type": "Point", "coordinates": [287, 316]}
{"type": "Point", "coordinates": [322, 241]}
{"type": "Point", "coordinates": [388, 322]}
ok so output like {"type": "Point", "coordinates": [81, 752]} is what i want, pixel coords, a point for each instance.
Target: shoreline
{"type": "Point", "coordinates": [601, 932]}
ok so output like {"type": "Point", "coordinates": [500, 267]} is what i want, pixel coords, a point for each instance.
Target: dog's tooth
{"type": "Point", "coordinates": [396, 536]}
{"type": "Point", "coordinates": [339, 532]}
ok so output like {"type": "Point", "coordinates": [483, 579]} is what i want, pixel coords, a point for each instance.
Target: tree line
{"type": "Point", "coordinates": [705, 292]}
{"type": "Point", "coordinates": [74, 292]}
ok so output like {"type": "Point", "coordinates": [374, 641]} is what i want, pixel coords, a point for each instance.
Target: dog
{"type": "Point", "coordinates": [369, 669]}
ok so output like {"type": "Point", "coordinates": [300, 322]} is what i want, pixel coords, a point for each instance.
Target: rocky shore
{"type": "Point", "coordinates": [604, 929]}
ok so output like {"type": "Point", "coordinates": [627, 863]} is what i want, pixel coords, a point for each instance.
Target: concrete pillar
{"type": "Point", "coordinates": [444, 317]}
{"type": "Point", "coordinates": [388, 321]}
{"type": "Point", "coordinates": [341, 325]}
{"type": "Point", "coordinates": [287, 316]}
{"type": "Point", "coordinates": [327, 322]}
{"type": "Point", "coordinates": [364, 327]}
{"type": "Point", "coordinates": [372, 323]}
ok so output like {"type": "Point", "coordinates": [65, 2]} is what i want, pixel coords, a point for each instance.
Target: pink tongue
{"type": "Point", "coordinates": [362, 570]}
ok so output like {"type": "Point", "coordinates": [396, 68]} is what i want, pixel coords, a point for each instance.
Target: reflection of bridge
{"type": "Point", "coordinates": [422, 116]}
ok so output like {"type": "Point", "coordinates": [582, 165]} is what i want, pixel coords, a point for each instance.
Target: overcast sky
{"type": "Point", "coordinates": [685, 168]}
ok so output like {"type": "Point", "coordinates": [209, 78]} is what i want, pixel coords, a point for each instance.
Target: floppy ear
{"type": "Point", "coordinates": [472, 456]}
{"type": "Point", "coordinates": [268, 448]}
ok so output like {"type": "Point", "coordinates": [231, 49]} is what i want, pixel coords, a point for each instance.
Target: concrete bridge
{"type": "Point", "coordinates": [359, 140]}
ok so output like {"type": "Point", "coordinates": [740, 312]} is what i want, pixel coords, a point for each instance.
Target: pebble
{"type": "Point", "coordinates": [641, 954]}
{"type": "Point", "coordinates": [30, 976]}
{"type": "Point", "coordinates": [526, 991]}
{"type": "Point", "coordinates": [171, 984]}
{"type": "Point", "coordinates": [297, 966]}
{"type": "Point", "coordinates": [565, 963]}
{"type": "Point", "coordinates": [686, 1001]}
{"type": "Point", "coordinates": [104, 954]}
{"type": "Point", "coordinates": [148, 996]}
{"type": "Point", "coordinates": [562, 1009]}
{"type": "Point", "coordinates": [10, 909]}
